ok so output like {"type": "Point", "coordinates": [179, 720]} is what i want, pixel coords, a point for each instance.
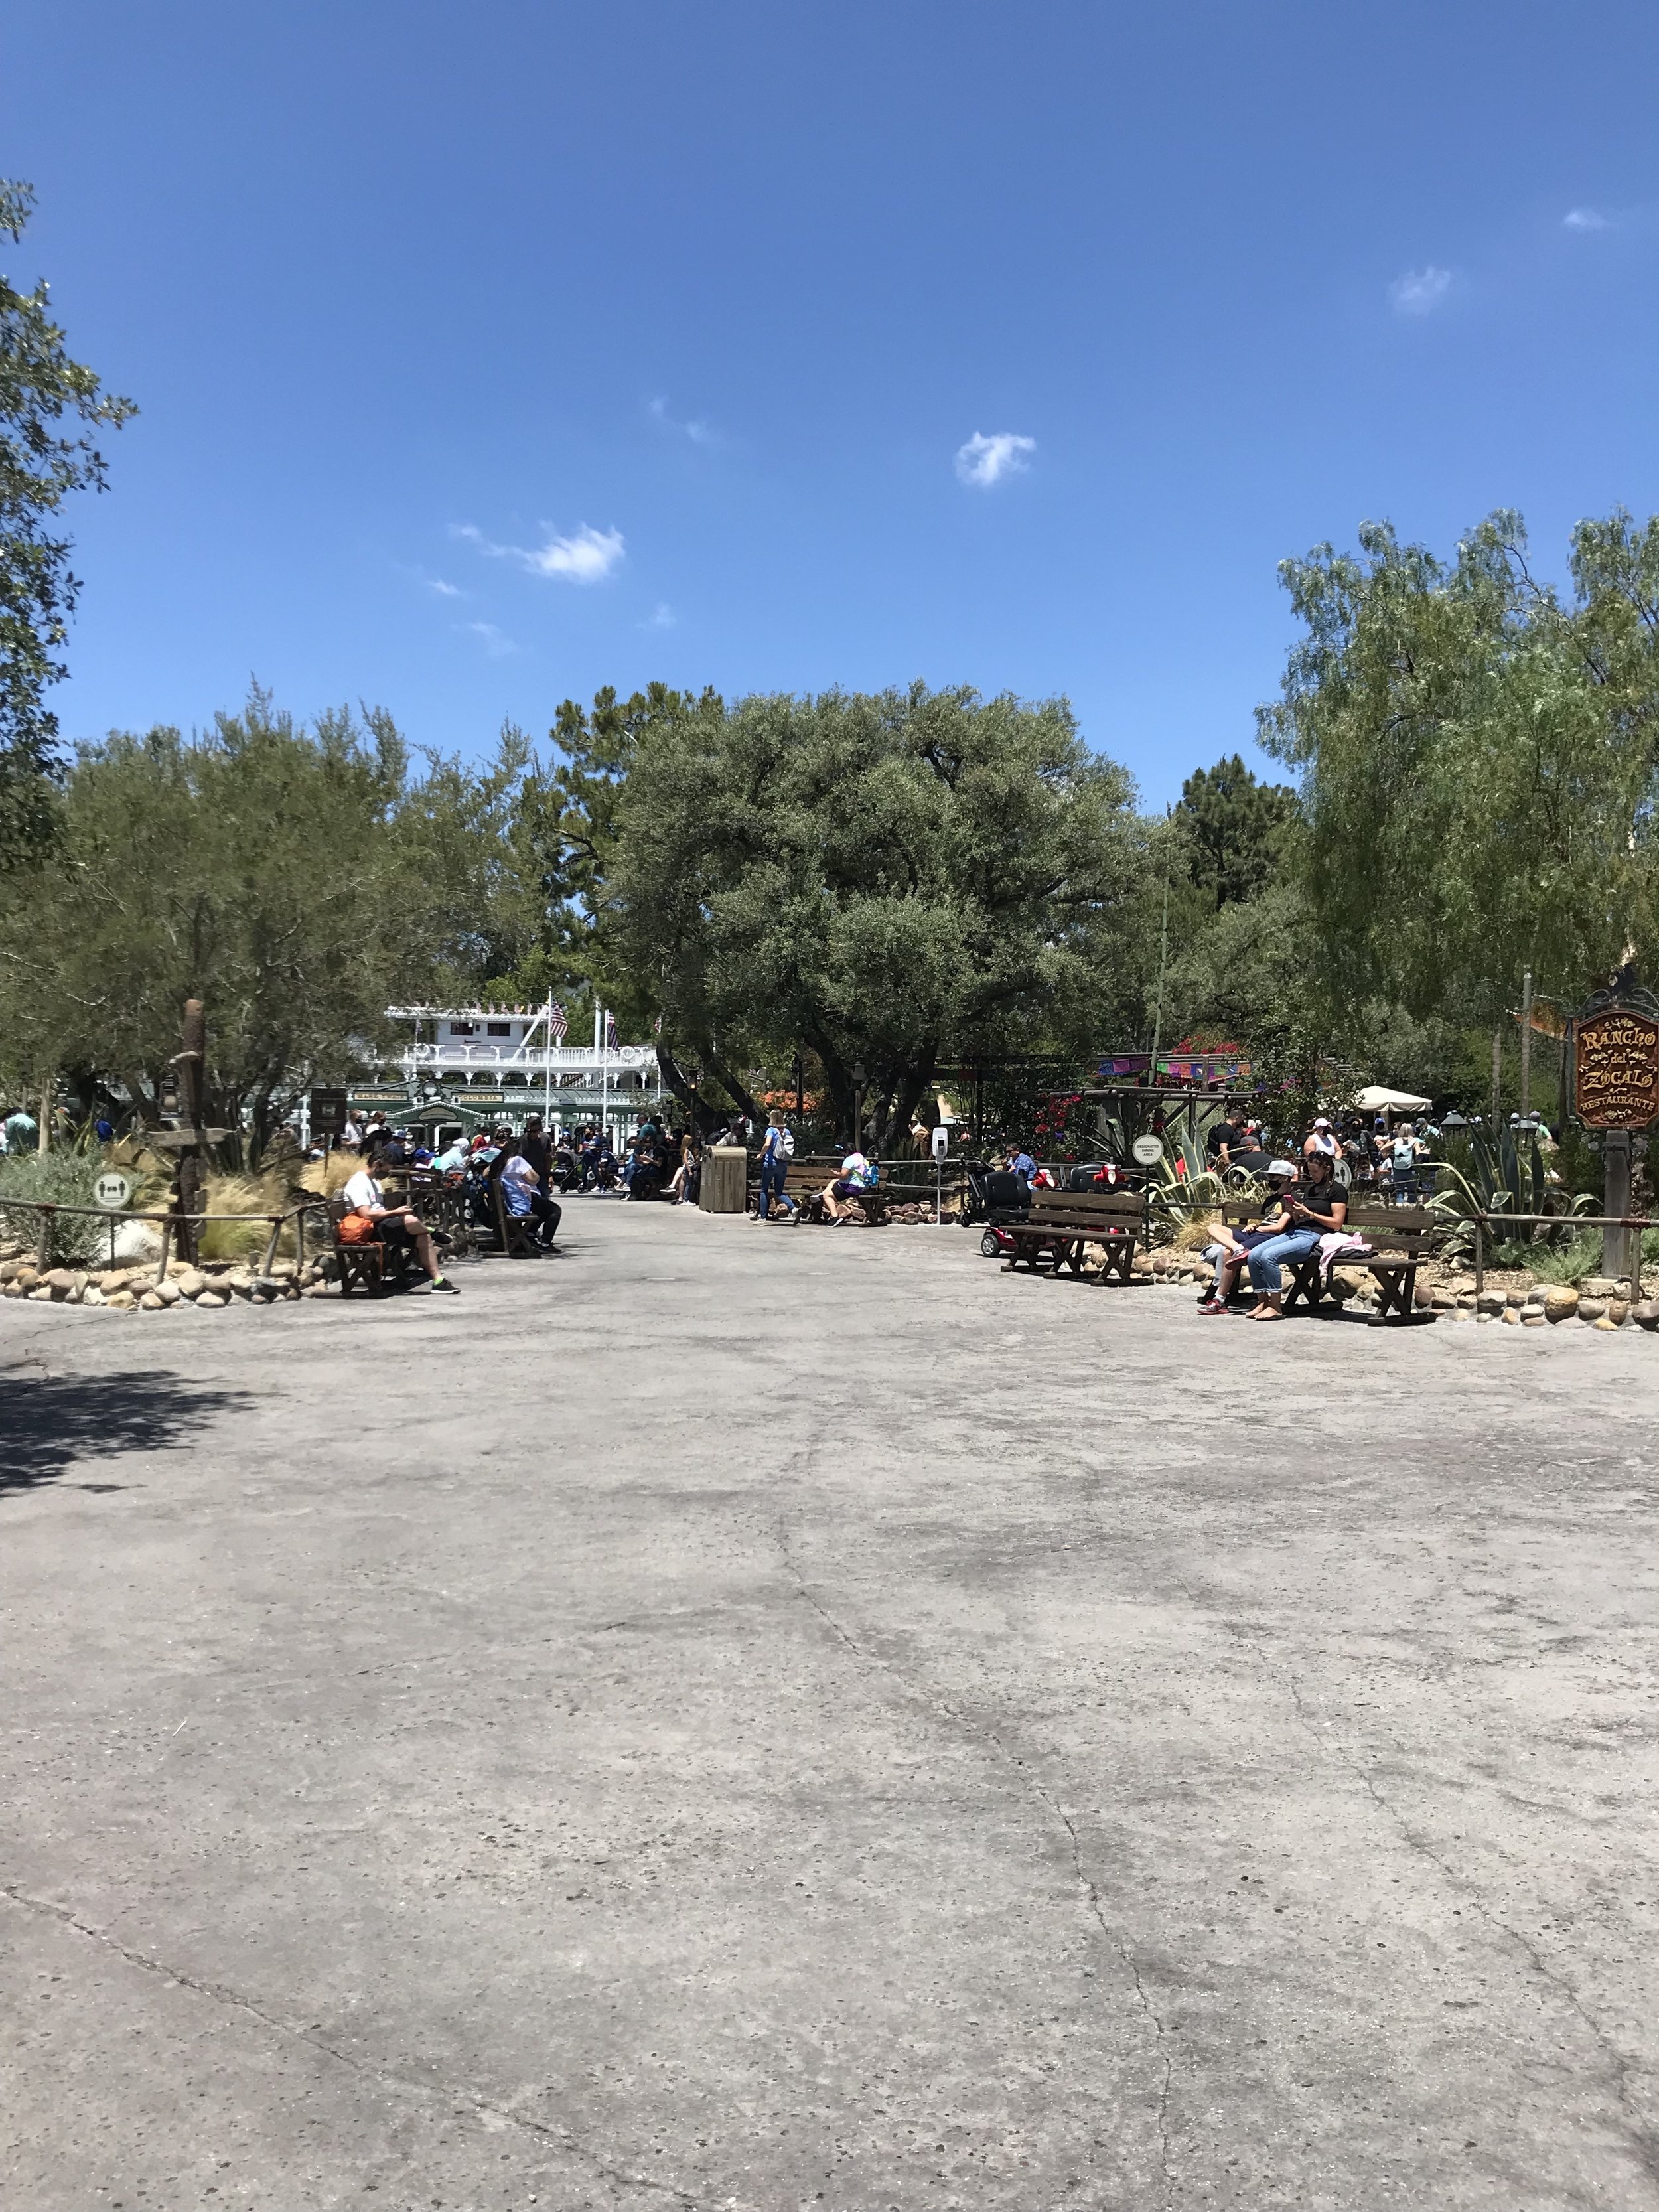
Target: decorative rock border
{"type": "Point", "coordinates": [134, 1289]}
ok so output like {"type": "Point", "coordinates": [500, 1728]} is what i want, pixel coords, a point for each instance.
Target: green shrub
{"type": "Point", "coordinates": [65, 1178]}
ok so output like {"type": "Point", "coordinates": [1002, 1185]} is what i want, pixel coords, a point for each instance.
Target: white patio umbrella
{"type": "Point", "coordinates": [1374, 1099]}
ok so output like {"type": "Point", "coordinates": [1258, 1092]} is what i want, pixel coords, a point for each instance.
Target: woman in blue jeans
{"type": "Point", "coordinates": [1315, 1207]}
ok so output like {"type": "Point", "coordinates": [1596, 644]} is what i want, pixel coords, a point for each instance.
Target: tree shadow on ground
{"type": "Point", "coordinates": [49, 1424]}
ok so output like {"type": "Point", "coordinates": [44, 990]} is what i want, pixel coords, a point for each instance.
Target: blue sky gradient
{"type": "Point", "coordinates": [487, 356]}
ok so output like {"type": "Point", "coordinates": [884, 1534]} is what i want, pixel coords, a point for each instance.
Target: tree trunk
{"type": "Point", "coordinates": [700, 1117]}
{"type": "Point", "coordinates": [734, 1089]}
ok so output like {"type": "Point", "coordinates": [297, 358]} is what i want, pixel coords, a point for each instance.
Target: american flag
{"type": "Point", "coordinates": [558, 1022]}
{"type": "Point", "coordinates": [610, 1033]}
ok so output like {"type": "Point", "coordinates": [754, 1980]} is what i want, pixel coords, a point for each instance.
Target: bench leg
{"type": "Point", "coordinates": [1396, 1289]}
{"type": "Point", "coordinates": [1307, 1285]}
{"type": "Point", "coordinates": [1119, 1257]}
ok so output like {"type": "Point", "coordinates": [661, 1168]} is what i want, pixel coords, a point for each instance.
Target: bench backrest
{"type": "Point", "coordinates": [1112, 1210]}
{"type": "Point", "coordinates": [1410, 1225]}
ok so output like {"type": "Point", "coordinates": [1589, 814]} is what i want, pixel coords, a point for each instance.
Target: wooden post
{"type": "Point", "coordinates": [1526, 1044]}
{"type": "Point", "coordinates": [192, 1063]}
{"type": "Point", "coordinates": [1497, 1080]}
{"type": "Point", "coordinates": [271, 1249]}
{"type": "Point", "coordinates": [1479, 1260]}
{"type": "Point", "coordinates": [1615, 1192]}
{"type": "Point", "coordinates": [43, 1240]}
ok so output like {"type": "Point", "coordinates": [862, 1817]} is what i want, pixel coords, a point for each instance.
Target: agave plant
{"type": "Point", "coordinates": [1506, 1177]}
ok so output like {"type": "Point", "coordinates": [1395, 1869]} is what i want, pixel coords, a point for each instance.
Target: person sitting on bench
{"type": "Point", "coordinates": [853, 1178]}
{"type": "Point", "coordinates": [525, 1199]}
{"type": "Point", "coordinates": [1316, 1205]}
{"type": "Point", "coordinates": [1233, 1247]}
{"type": "Point", "coordinates": [397, 1230]}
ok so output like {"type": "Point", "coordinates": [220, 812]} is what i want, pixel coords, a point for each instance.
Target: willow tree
{"type": "Point", "coordinates": [898, 881]}
{"type": "Point", "coordinates": [1479, 762]}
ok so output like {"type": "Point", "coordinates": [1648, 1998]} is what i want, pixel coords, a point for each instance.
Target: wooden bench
{"type": "Point", "coordinates": [371, 1265]}
{"type": "Point", "coordinates": [1062, 1222]}
{"type": "Point", "coordinates": [1401, 1238]}
{"type": "Point", "coordinates": [803, 1181]}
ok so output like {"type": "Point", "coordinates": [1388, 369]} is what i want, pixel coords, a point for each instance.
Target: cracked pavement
{"type": "Point", "coordinates": [781, 1720]}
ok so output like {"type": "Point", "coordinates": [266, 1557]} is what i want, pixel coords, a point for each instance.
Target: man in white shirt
{"type": "Point", "coordinates": [395, 1228]}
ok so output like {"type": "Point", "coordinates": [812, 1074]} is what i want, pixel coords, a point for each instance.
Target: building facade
{"type": "Point", "coordinates": [504, 1063]}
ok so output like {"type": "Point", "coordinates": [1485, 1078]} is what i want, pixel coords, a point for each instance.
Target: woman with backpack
{"type": "Point", "coordinates": [777, 1149]}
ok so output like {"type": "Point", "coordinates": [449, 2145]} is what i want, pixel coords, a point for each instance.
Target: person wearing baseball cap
{"type": "Point", "coordinates": [1319, 1139]}
{"type": "Point", "coordinates": [1231, 1247]}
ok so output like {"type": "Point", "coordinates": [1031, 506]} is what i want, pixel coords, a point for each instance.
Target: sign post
{"type": "Point", "coordinates": [1615, 1089]}
{"type": "Point", "coordinates": [941, 1144]}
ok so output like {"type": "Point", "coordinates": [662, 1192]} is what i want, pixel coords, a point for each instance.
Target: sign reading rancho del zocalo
{"type": "Point", "coordinates": [1616, 1069]}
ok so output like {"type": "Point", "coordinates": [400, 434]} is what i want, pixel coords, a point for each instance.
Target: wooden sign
{"type": "Point", "coordinates": [328, 1113]}
{"type": "Point", "coordinates": [1616, 1069]}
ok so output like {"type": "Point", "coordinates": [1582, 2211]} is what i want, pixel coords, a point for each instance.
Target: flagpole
{"type": "Point", "coordinates": [604, 1073]}
{"type": "Point", "coordinates": [547, 1073]}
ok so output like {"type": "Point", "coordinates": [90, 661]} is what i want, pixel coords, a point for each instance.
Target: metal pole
{"type": "Point", "coordinates": [547, 1072]}
{"type": "Point", "coordinates": [1526, 1044]}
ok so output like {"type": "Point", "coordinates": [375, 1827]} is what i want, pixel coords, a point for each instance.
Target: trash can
{"type": "Point", "coordinates": [725, 1187]}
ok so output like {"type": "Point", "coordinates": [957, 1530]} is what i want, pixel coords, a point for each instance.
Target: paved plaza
{"type": "Point", "coordinates": [741, 1717]}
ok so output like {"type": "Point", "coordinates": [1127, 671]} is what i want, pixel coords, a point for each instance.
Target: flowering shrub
{"type": "Point", "coordinates": [1061, 1125]}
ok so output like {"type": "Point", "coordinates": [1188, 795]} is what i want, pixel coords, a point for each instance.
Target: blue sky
{"type": "Point", "coordinates": [486, 355]}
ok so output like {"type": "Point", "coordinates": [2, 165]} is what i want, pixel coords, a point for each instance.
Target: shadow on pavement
{"type": "Point", "coordinates": [49, 1424]}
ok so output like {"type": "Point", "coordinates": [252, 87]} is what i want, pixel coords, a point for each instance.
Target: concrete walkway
{"type": "Point", "coordinates": [767, 1719]}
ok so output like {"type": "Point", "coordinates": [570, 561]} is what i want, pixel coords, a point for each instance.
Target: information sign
{"type": "Point", "coordinates": [113, 1189]}
{"type": "Point", "coordinates": [1148, 1150]}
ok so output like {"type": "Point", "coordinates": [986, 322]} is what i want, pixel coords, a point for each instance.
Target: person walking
{"type": "Point", "coordinates": [777, 1149]}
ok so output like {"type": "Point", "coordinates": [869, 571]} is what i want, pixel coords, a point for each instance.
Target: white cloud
{"type": "Point", "coordinates": [444, 590]}
{"type": "Point", "coordinates": [495, 642]}
{"type": "Point", "coordinates": [585, 558]}
{"type": "Point", "coordinates": [1420, 291]}
{"type": "Point", "coordinates": [661, 617]}
{"type": "Point", "coordinates": [699, 433]}
{"type": "Point", "coordinates": [985, 461]}
{"type": "Point", "coordinates": [1584, 219]}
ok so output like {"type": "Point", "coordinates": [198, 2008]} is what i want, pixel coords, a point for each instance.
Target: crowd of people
{"type": "Point", "coordinates": [1380, 1155]}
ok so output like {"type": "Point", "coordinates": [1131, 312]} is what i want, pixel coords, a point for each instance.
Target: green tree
{"type": "Point", "coordinates": [1231, 829]}
{"type": "Point", "coordinates": [897, 880]}
{"type": "Point", "coordinates": [256, 867]}
{"type": "Point", "coordinates": [40, 467]}
{"type": "Point", "coordinates": [1480, 764]}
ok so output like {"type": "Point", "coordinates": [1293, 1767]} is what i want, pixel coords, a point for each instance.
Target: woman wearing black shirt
{"type": "Point", "coordinates": [1315, 1205]}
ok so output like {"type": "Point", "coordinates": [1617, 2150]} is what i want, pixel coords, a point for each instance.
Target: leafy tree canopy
{"type": "Point", "coordinates": [1479, 762]}
{"type": "Point", "coordinates": [294, 879]}
{"type": "Point", "coordinates": [40, 467]}
{"type": "Point", "coordinates": [894, 880]}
